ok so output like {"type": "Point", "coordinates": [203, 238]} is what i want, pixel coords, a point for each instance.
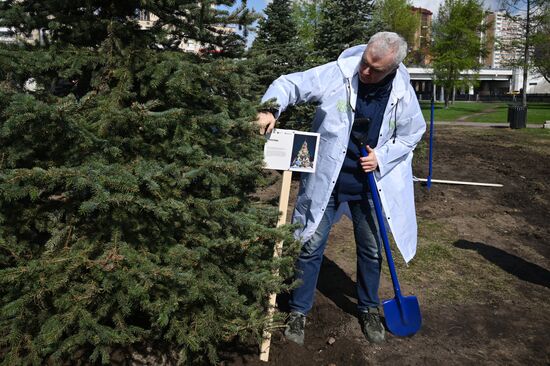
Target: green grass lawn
{"type": "Point", "coordinates": [537, 113]}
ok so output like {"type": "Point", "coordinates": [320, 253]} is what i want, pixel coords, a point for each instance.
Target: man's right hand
{"type": "Point", "coordinates": [266, 122]}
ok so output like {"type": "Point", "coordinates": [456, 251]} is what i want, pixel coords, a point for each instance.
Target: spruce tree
{"type": "Point", "coordinates": [126, 174]}
{"type": "Point", "coordinates": [307, 16]}
{"type": "Point", "coordinates": [344, 23]}
{"type": "Point", "coordinates": [277, 51]}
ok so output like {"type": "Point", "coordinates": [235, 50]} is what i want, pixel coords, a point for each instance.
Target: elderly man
{"type": "Point", "coordinates": [368, 83]}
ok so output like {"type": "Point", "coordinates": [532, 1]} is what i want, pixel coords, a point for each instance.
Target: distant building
{"type": "Point", "coordinates": [420, 49]}
{"type": "Point", "coordinates": [7, 35]}
{"type": "Point", "coordinates": [504, 41]}
{"type": "Point", "coordinates": [146, 20]}
{"type": "Point", "coordinates": [502, 38]}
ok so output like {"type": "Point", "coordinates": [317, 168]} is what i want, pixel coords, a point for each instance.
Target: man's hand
{"type": "Point", "coordinates": [266, 122]}
{"type": "Point", "coordinates": [369, 163]}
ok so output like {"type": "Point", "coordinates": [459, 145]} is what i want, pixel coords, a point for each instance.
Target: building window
{"type": "Point", "coordinates": [144, 15]}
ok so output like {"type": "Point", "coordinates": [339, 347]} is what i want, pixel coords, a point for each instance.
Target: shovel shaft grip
{"type": "Point", "coordinates": [382, 226]}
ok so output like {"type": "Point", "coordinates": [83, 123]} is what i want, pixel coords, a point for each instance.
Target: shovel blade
{"type": "Point", "coordinates": [402, 315]}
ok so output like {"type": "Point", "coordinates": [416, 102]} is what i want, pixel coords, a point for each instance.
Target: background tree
{"type": "Point", "coordinates": [277, 50]}
{"type": "Point", "coordinates": [531, 15]}
{"type": "Point", "coordinates": [541, 45]}
{"type": "Point", "coordinates": [126, 220]}
{"type": "Point", "coordinates": [396, 16]}
{"type": "Point", "coordinates": [344, 23]}
{"type": "Point", "coordinates": [307, 17]}
{"type": "Point", "coordinates": [276, 47]}
{"type": "Point", "coordinates": [457, 46]}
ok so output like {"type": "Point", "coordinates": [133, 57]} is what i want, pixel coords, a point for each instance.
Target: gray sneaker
{"type": "Point", "coordinates": [295, 327]}
{"type": "Point", "coordinates": [372, 326]}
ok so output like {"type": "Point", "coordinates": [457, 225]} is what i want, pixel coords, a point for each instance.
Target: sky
{"type": "Point", "coordinates": [432, 5]}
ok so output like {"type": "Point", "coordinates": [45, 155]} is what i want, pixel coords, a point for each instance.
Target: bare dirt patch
{"type": "Point", "coordinates": [481, 272]}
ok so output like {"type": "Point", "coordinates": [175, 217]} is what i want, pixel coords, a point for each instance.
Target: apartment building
{"type": "Point", "coordinates": [423, 34]}
{"type": "Point", "coordinates": [146, 20]}
{"type": "Point", "coordinates": [420, 47]}
{"type": "Point", "coordinates": [7, 35]}
{"type": "Point", "coordinates": [502, 39]}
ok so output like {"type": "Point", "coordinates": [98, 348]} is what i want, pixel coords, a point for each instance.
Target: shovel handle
{"type": "Point", "coordinates": [382, 226]}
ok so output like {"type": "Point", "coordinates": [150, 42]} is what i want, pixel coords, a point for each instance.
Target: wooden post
{"type": "Point", "coordinates": [283, 207]}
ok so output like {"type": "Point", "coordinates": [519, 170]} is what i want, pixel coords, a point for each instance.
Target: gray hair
{"type": "Point", "coordinates": [383, 42]}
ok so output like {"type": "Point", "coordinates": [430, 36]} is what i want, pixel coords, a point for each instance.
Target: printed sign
{"type": "Point", "coordinates": [291, 150]}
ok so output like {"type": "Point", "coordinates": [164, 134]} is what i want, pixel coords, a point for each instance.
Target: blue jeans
{"type": "Point", "coordinates": [369, 259]}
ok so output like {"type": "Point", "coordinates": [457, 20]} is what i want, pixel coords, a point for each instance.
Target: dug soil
{"type": "Point", "coordinates": [481, 273]}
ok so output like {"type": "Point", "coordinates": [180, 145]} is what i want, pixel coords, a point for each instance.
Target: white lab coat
{"type": "Point", "coordinates": [334, 87]}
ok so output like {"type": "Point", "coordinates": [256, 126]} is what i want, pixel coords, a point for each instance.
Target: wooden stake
{"type": "Point", "coordinates": [283, 207]}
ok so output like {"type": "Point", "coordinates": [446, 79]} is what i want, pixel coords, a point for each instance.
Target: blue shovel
{"type": "Point", "coordinates": [402, 313]}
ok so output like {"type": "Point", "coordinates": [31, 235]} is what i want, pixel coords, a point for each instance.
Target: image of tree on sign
{"type": "Point", "coordinates": [303, 152]}
{"type": "Point", "coordinates": [456, 45]}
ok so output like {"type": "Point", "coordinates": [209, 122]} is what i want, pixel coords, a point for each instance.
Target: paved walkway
{"type": "Point", "coordinates": [482, 124]}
